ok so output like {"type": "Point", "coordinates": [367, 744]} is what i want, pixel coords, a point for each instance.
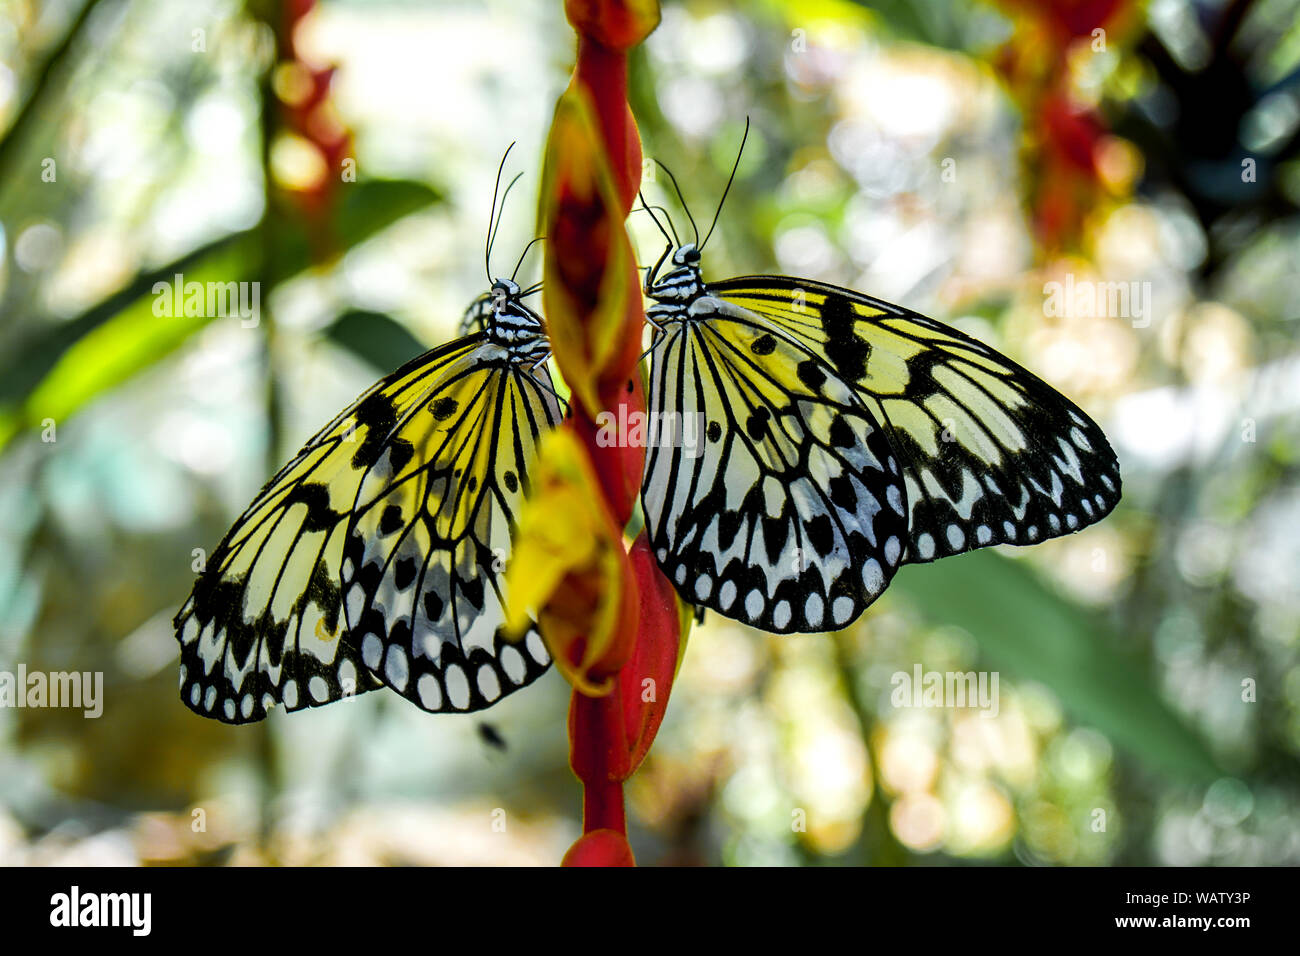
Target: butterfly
{"type": "Point", "coordinates": [843, 436]}
{"type": "Point", "coordinates": [376, 555]}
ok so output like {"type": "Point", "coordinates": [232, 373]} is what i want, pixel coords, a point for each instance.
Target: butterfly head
{"type": "Point", "coordinates": [484, 310]}
{"type": "Point", "coordinates": [513, 325]}
{"type": "Point", "coordinates": [687, 255]}
{"type": "Point", "coordinates": [503, 291]}
{"type": "Point", "coordinates": [682, 282]}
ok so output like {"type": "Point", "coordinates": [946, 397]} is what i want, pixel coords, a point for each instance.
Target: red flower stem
{"type": "Point", "coordinates": [598, 739]}
{"type": "Point", "coordinates": [598, 755]}
{"type": "Point", "coordinates": [602, 807]}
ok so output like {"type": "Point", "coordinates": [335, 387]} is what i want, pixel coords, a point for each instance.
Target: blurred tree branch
{"type": "Point", "coordinates": [879, 843]}
{"type": "Point", "coordinates": [49, 68]}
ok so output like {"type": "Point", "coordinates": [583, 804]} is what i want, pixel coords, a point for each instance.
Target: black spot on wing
{"type": "Point", "coordinates": [473, 591]}
{"type": "Point", "coordinates": [811, 374]}
{"type": "Point", "coordinates": [842, 493]}
{"type": "Point", "coordinates": [821, 534]}
{"type": "Point", "coordinates": [729, 523]}
{"type": "Point", "coordinates": [323, 590]}
{"type": "Point", "coordinates": [320, 516]}
{"type": "Point", "coordinates": [433, 605]}
{"type": "Point", "coordinates": [390, 522]}
{"type": "Point", "coordinates": [400, 452]}
{"type": "Point", "coordinates": [775, 532]}
{"type": "Point", "coordinates": [377, 415]}
{"type": "Point", "coordinates": [841, 434]}
{"type": "Point", "coordinates": [400, 632]}
{"type": "Point", "coordinates": [404, 573]}
{"type": "Point", "coordinates": [847, 351]}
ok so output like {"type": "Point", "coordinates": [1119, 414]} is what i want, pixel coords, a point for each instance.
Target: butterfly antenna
{"type": "Point", "coordinates": [524, 255]}
{"type": "Point", "coordinates": [682, 200]}
{"type": "Point", "coordinates": [492, 241]}
{"type": "Point", "coordinates": [730, 179]}
{"type": "Point", "coordinates": [531, 290]}
{"type": "Point", "coordinates": [650, 209]}
{"type": "Point", "coordinates": [669, 220]}
{"type": "Point", "coordinates": [492, 216]}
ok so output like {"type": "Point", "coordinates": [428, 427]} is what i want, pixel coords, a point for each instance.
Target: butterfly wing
{"type": "Point", "coordinates": [264, 625]}
{"type": "Point", "coordinates": [991, 454]}
{"type": "Point", "coordinates": [423, 569]}
{"type": "Point", "coordinates": [786, 510]}
{"type": "Point", "coordinates": [478, 315]}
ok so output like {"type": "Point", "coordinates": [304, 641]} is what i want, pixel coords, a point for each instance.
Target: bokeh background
{"type": "Point", "coordinates": [952, 157]}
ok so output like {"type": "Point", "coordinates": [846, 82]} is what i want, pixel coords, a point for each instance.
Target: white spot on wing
{"type": "Point", "coordinates": [814, 609]}
{"type": "Point", "coordinates": [488, 683]}
{"type": "Point", "coordinates": [842, 609]}
{"type": "Point", "coordinates": [318, 689]}
{"type": "Point", "coordinates": [781, 614]}
{"type": "Point", "coordinates": [457, 687]}
{"type": "Point", "coordinates": [537, 649]}
{"type": "Point", "coordinates": [396, 667]}
{"type": "Point", "coordinates": [925, 546]}
{"type": "Point", "coordinates": [873, 577]}
{"type": "Point", "coordinates": [429, 692]}
{"type": "Point", "coordinates": [512, 662]}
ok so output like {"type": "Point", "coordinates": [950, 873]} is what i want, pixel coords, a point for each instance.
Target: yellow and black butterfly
{"type": "Point", "coordinates": [843, 437]}
{"type": "Point", "coordinates": [376, 555]}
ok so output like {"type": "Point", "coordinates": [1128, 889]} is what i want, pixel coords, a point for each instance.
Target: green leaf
{"type": "Point", "coordinates": [62, 370]}
{"type": "Point", "coordinates": [132, 340]}
{"type": "Point", "coordinates": [1023, 625]}
{"type": "Point", "coordinates": [375, 337]}
{"type": "Point", "coordinates": [21, 372]}
{"type": "Point", "coordinates": [375, 204]}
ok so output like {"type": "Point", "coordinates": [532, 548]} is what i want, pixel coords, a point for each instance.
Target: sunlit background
{"type": "Point", "coordinates": [956, 158]}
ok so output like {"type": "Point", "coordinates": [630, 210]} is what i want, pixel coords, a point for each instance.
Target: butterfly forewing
{"type": "Point", "coordinates": [423, 570]}
{"type": "Point", "coordinates": [991, 454]}
{"type": "Point", "coordinates": [264, 625]}
{"type": "Point", "coordinates": [789, 513]}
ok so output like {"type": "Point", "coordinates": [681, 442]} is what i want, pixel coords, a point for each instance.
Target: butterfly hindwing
{"type": "Point", "coordinates": [788, 513]}
{"type": "Point", "coordinates": [423, 570]}
{"type": "Point", "coordinates": [991, 454]}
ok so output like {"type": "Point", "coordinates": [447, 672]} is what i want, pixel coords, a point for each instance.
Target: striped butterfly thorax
{"type": "Point", "coordinates": [376, 555]}
{"type": "Point", "coordinates": [844, 436]}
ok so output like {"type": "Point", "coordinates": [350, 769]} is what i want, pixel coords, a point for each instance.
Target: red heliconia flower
{"type": "Point", "coordinates": [1069, 19]}
{"type": "Point", "coordinates": [1063, 137]}
{"type": "Point", "coordinates": [613, 622]}
{"type": "Point", "coordinates": [308, 112]}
